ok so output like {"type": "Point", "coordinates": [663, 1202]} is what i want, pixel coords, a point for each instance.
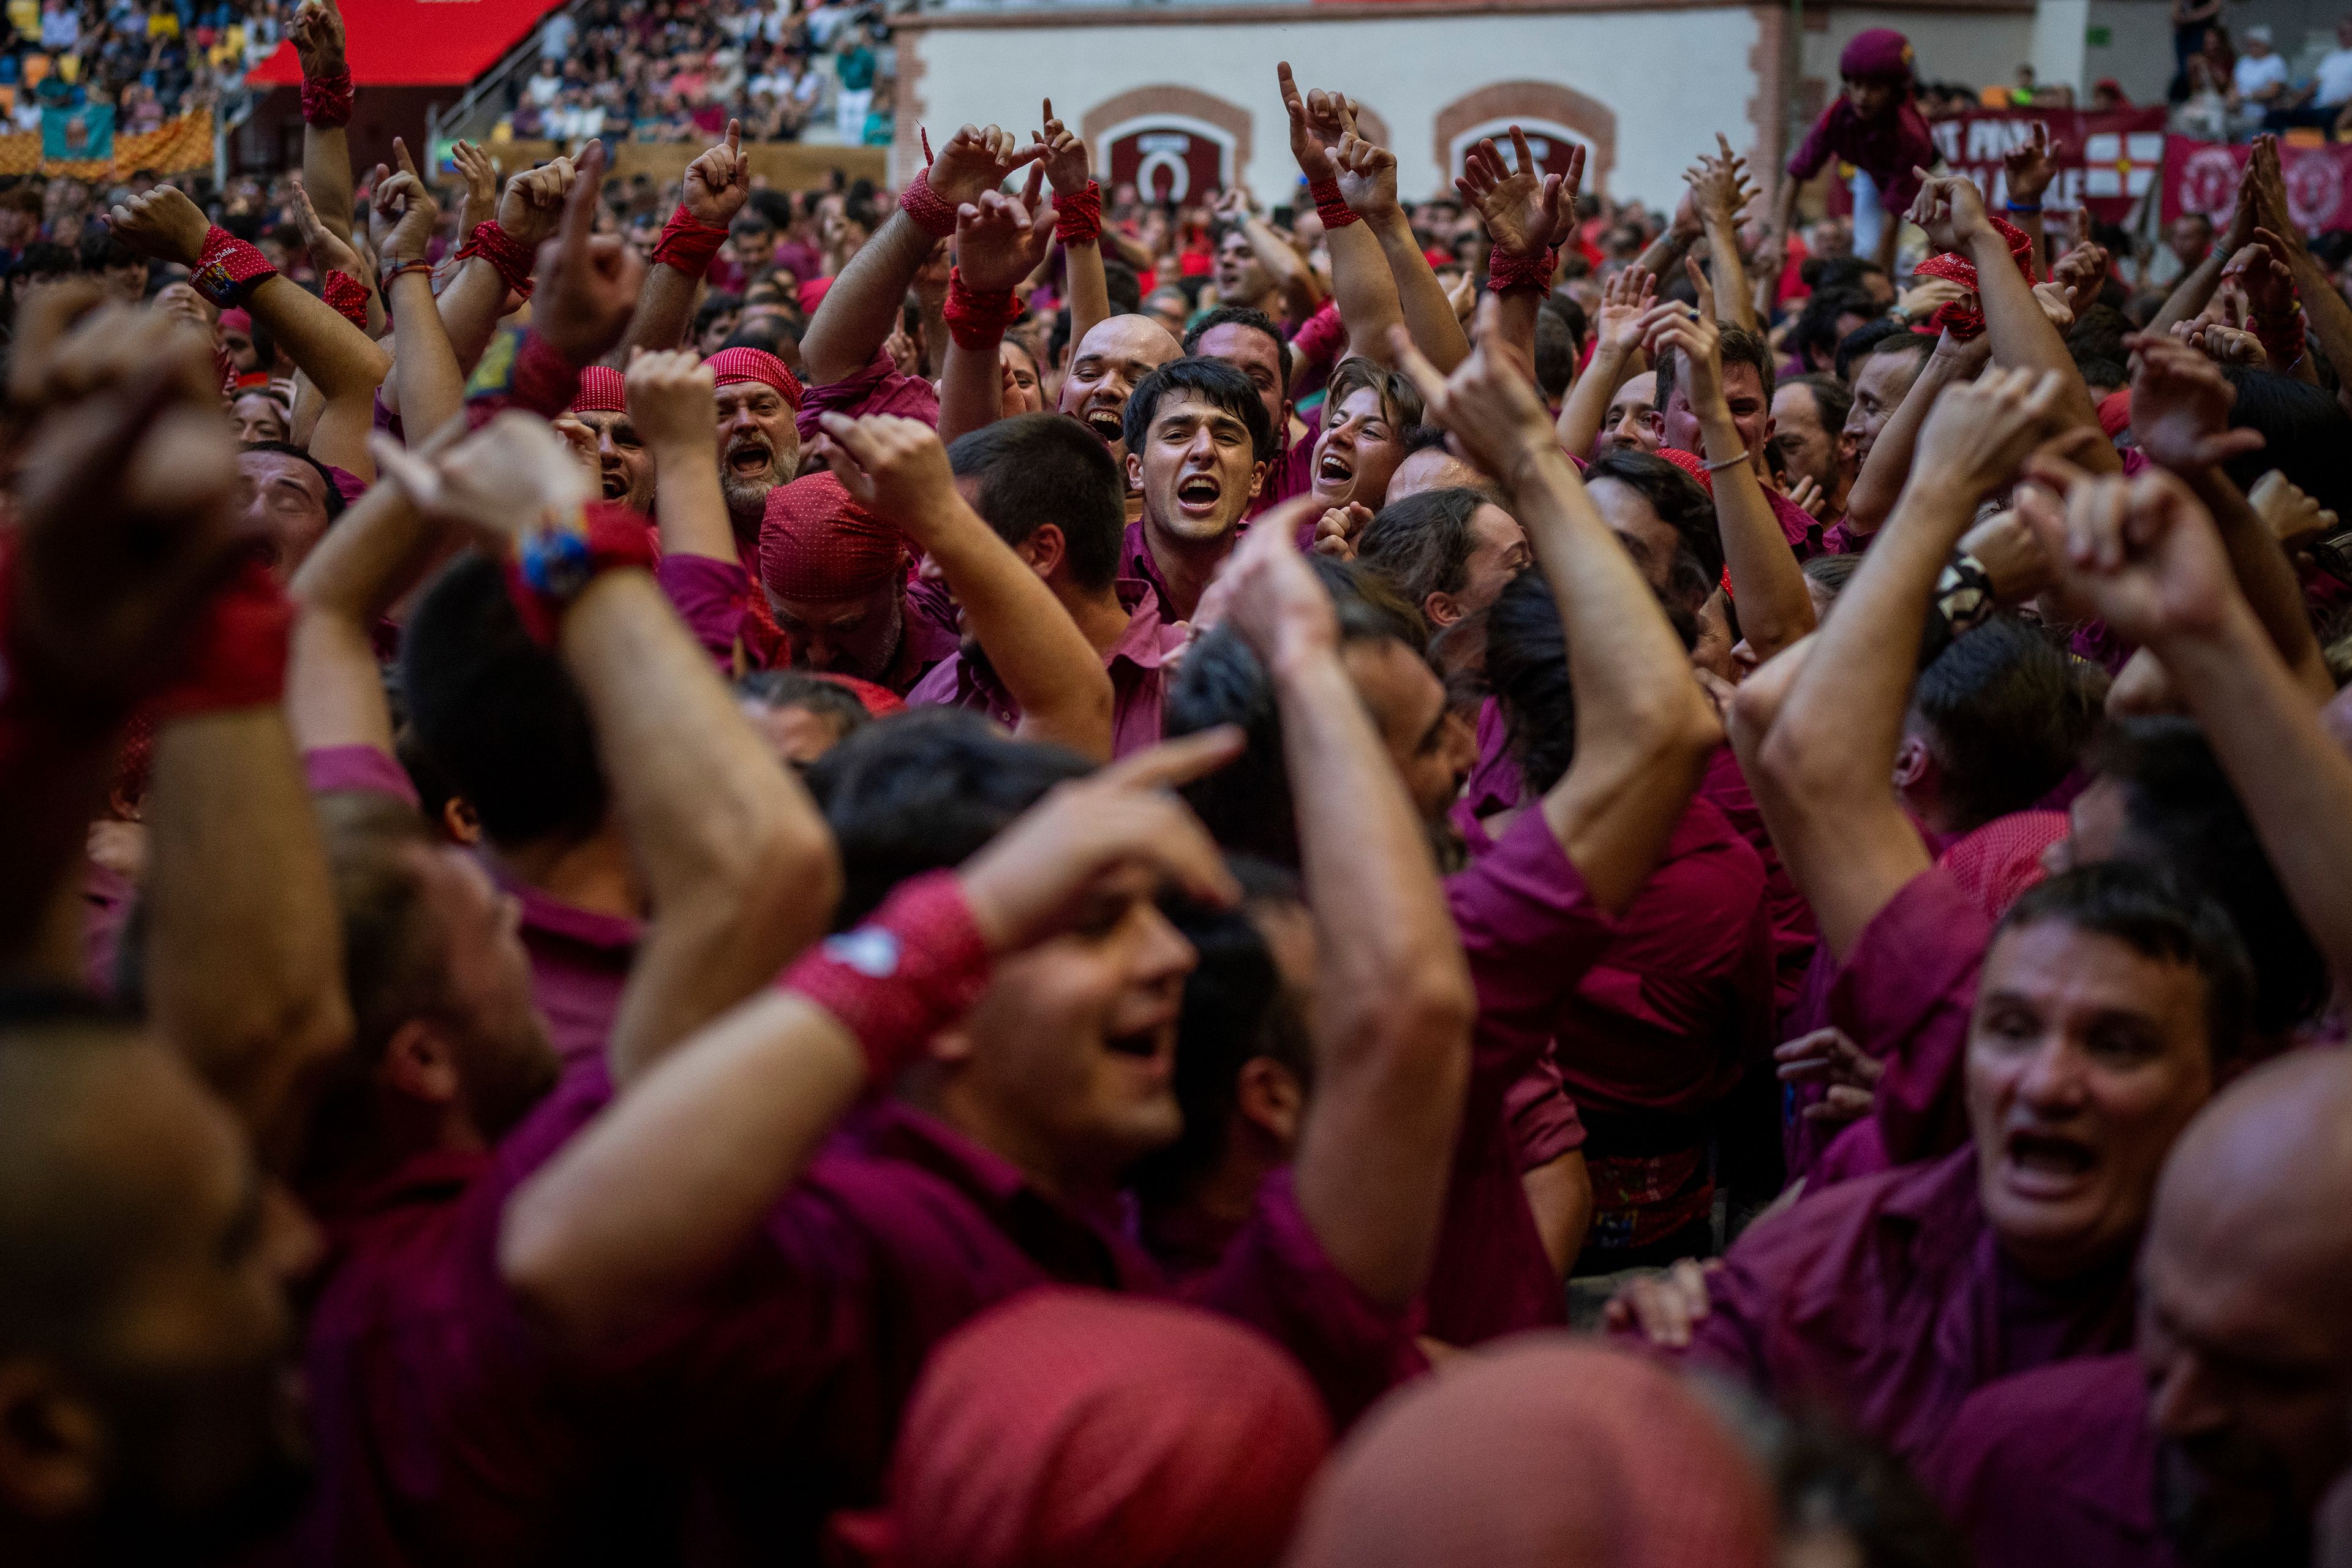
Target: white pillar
{"type": "Point", "coordinates": [2061, 36]}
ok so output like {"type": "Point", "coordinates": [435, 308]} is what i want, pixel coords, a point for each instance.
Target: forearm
{"type": "Point", "coordinates": [470, 309]}
{"type": "Point", "coordinates": [1515, 313]}
{"type": "Point", "coordinates": [2295, 783]}
{"type": "Point", "coordinates": [738, 867]}
{"type": "Point", "coordinates": [972, 388]}
{"type": "Point", "coordinates": [1642, 726]}
{"type": "Point", "coordinates": [431, 387]}
{"type": "Point", "coordinates": [2323, 306]}
{"type": "Point", "coordinates": [245, 968]}
{"type": "Point", "coordinates": [1586, 407]}
{"type": "Point", "coordinates": [2030, 225]}
{"type": "Point", "coordinates": [1428, 313]}
{"type": "Point", "coordinates": [339, 439]}
{"type": "Point", "coordinates": [1049, 669]}
{"type": "Point", "coordinates": [1365, 292]}
{"type": "Point", "coordinates": [1735, 303]}
{"type": "Point", "coordinates": [1666, 253]}
{"type": "Point", "coordinates": [1301, 292]}
{"type": "Point", "coordinates": [665, 312]}
{"type": "Point", "coordinates": [2191, 294]}
{"type": "Point", "coordinates": [863, 304]}
{"type": "Point", "coordinates": [668, 1185]}
{"type": "Point", "coordinates": [2267, 579]}
{"type": "Point", "coordinates": [2022, 336]}
{"type": "Point", "coordinates": [1391, 1049]}
{"type": "Point", "coordinates": [378, 550]}
{"type": "Point", "coordinates": [1775, 608]}
{"type": "Point", "coordinates": [327, 176]}
{"type": "Point", "coordinates": [1089, 289]}
{"type": "Point", "coordinates": [691, 510]}
{"type": "Point", "coordinates": [331, 352]}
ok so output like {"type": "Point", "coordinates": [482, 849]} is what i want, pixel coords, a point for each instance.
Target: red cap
{"type": "Point", "coordinates": [1688, 463]}
{"type": "Point", "coordinates": [599, 392]}
{"type": "Point", "coordinates": [1877, 52]}
{"type": "Point", "coordinates": [816, 544]}
{"type": "Point", "coordinates": [731, 366]}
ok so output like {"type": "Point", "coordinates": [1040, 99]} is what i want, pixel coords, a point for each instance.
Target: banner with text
{"type": "Point", "coordinates": [2105, 162]}
{"type": "Point", "coordinates": [2202, 177]}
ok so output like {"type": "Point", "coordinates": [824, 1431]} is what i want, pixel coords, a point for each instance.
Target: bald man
{"type": "Point", "coordinates": [147, 1340]}
{"type": "Point", "coordinates": [1104, 369]}
{"type": "Point", "coordinates": [2215, 1441]}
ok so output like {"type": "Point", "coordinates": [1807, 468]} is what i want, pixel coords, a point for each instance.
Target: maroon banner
{"type": "Point", "coordinates": [2106, 162]}
{"type": "Point", "coordinates": [2202, 177]}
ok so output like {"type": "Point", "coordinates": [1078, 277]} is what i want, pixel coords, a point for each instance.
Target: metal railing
{"type": "Point", "coordinates": [491, 89]}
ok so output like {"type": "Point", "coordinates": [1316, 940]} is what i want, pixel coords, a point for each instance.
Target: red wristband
{"type": "Point", "coordinates": [327, 99]}
{"type": "Point", "coordinates": [1078, 217]}
{"type": "Point", "coordinates": [542, 584]}
{"type": "Point", "coordinates": [932, 213]}
{"type": "Point", "coordinates": [228, 268]}
{"type": "Point", "coordinates": [239, 657]}
{"type": "Point", "coordinates": [502, 250]}
{"type": "Point", "coordinates": [1506, 271]}
{"type": "Point", "coordinates": [687, 244]}
{"type": "Point", "coordinates": [977, 317]}
{"type": "Point", "coordinates": [915, 966]}
{"type": "Point", "coordinates": [348, 295]}
{"type": "Point", "coordinates": [1329, 205]}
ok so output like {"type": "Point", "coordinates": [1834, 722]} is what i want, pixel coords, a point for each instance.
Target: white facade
{"type": "Point", "coordinates": [1663, 81]}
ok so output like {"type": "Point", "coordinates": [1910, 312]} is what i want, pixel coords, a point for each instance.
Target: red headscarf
{"type": "Point", "coordinates": [1548, 1452]}
{"type": "Point", "coordinates": [601, 391]}
{"type": "Point", "coordinates": [1964, 318]}
{"type": "Point", "coordinates": [816, 544]}
{"type": "Point", "coordinates": [1690, 463]}
{"type": "Point", "coordinates": [1074, 1429]}
{"type": "Point", "coordinates": [728, 366]}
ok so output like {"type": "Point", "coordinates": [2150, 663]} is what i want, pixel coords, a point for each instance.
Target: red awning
{"type": "Point", "coordinates": [418, 43]}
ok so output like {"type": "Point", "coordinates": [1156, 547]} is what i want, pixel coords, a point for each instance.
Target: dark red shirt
{"type": "Point", "coordinates": [1887, 149]}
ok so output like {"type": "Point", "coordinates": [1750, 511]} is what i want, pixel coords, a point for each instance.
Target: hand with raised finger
{"type": "Point", "coordinates": [2057, 306]}
{"type": "Point", "coordinates": [2028, 168]}
{"type": "Point", "coordinates": [719, 183]}
{"type": "Point", "coordinates": [402, 214]}
{"type": "Point", "coordinates": [2142, 552]}
{"type": "Point", "coordinates": [588, 283]}
{"type": "Point", "coordinates": [533, 203]}
{"type": "Point", "coordinates": [481, 176]}
{"type": "Point", "coordinates": [328, 251]}
{"type": "Point", "coordinates": [1001, 239]}
{"type": "Point", "coordinates": [1119, 834]}
{"type": "Point", "coordinates": [1525, 211]}
{"type": "Point", "coordinates": [2181, 407]}
{"type": "Point", "coordinates": [1368, 177]}
{"type": "Point", "coordinates": [1312, 138]}
{"type": "Point", "coordinates": [2294, 518]}
{"type": "Point", "coordinates": [975, 159]}
{"type": "Point", "coordinates": [1692, 332]}
{"type": "Point", "coordinates": [1067, 165]}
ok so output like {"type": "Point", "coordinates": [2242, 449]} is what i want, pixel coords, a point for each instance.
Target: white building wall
{"type": "Point", "coordinates": [1672, 76]}
{"type": "Point", "coordinates": [1952, 44]}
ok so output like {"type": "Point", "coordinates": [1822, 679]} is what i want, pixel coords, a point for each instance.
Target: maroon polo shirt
{"type": "Point", "coordinates": [2055, 1469]}
{"type": "Point", "coordinates": [1795, 937]}
{"type": "Point", "coordinates": [877, 388]}
{"type": "Point", "coordinates": [1887, 149]}
{"type": "Point", "coordinates": [1531, 930]}
{"type": "Point", "coordinates": [1137, 663]}
{"type": "Point", "coordinates": [1888, 1300]}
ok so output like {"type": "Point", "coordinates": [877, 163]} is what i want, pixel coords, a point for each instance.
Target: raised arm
{"type": "Point", "coordinates": [1719, 189]}
{"type": "Point", "coordinates": [1642, 726]}
{"type": "Point", "coordinates": [400, 220]}
{"type": "Point", "coordinates": [716, 186]}
{"type": "Point", "coordinates": [738, 867]}
{"type": "Point", "coordinates": [862, 307]}
{"type": "Point", "coordinates": [1822, 769]}
{"type": "Point", "coordinates": [1775, 608]}
{"type": "Point", "coordinates": [378, 550]}
{"type": "Point", "coordinates": [1673, 242]}
{"type": "Point", "coordinates": [1528, 215]}
{"type": "Point", "coordinates": [1394, 1002]}
{"type": "Point", "coordinates": [2181, 412]}
{"type": "Point", "coordinates": [1301, 291]}
{"type": "Point", "coordinates": [2027, 171]}
{"type": "Point", "coordinates": [668, 1184]}
{"type": "Point", "coordinates": [1078, 226]}
{"type": "Point", "coordinates": [1618, 355]}
{"type": "Point", "coordinates": [998, 243]}
{"type": "Point", "coordinates": [673, 405]}
{"type": "Point", "coordinates": [1361, 284]}
{"type": "Point", "coordinates": [898, 468]}
{"type": "Point", "coordinates": [2143, 554]}
{"type": "Point", "coordinates": [317, 31]}
{"type": "Point", "coordinates": [1368, 184]}
{"type": "Point", "coordinates": [1884, 472]}
{"type": "Point", "coordinates": [2195, 289]}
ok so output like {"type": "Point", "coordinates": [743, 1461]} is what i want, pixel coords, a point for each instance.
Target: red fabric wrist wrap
{"type": "Point", "coordinates": [348, 295]}
{"type": "Point", "coordinates": [1963, 320]}
{"type": "Point", "coordinates": [977, 317]}
{"type": "Point", "coordinates": [616, 537]}
{"type": "Point", "coordinates": [1329, 205]}
{"type": "Point", "coordinates": [502, 250]}
{"type": "Point", "coordinates": [227, 268]}
{"type": "Point", "coordinates": [1505, 271]}
{"type": "Point", "coordinates": [687, 244]}
{"type": "Point", "coordinates": [932, 213]}
{"type": "Point", "coordinates": [327, 99]}
{"type": "Point", "coordinates": [239, 657]}
{"type": "Point", "coordinates": [916, 965]}
{"type": "Point", "coordinates": [1078, 217]}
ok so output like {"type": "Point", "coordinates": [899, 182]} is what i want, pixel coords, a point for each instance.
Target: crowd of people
{"type": "Point", "coordinates": [979, 877]}
{"type": "Point", "coordinates": [2230, 89]}
{"type": "Point", "coordinates": [659, 73]}
{"type": "Point", "coordinates": [146, 59]}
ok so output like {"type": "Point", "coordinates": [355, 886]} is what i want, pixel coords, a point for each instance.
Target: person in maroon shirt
{"type": "Point", "coordinates": [2216, 1442]}
{"type": "Point", "coordinates": [1875, 126]}
{"type": "Point", "coordinates": [2111, 1002]}
{"type": "Point", "coordinates": [622, 467]}
{"type": "Point", "coordinates": [835, 575]}
{"type": "Point", "coordinates": [1024, 1011]}
{"type": "Point", "coordinates": [1199, 448]}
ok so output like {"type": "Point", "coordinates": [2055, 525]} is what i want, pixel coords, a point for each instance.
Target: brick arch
{"type": "Point", "coordinates": [1166, 98]}
{"type": "Point", "coordinates": [1544, 100]}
